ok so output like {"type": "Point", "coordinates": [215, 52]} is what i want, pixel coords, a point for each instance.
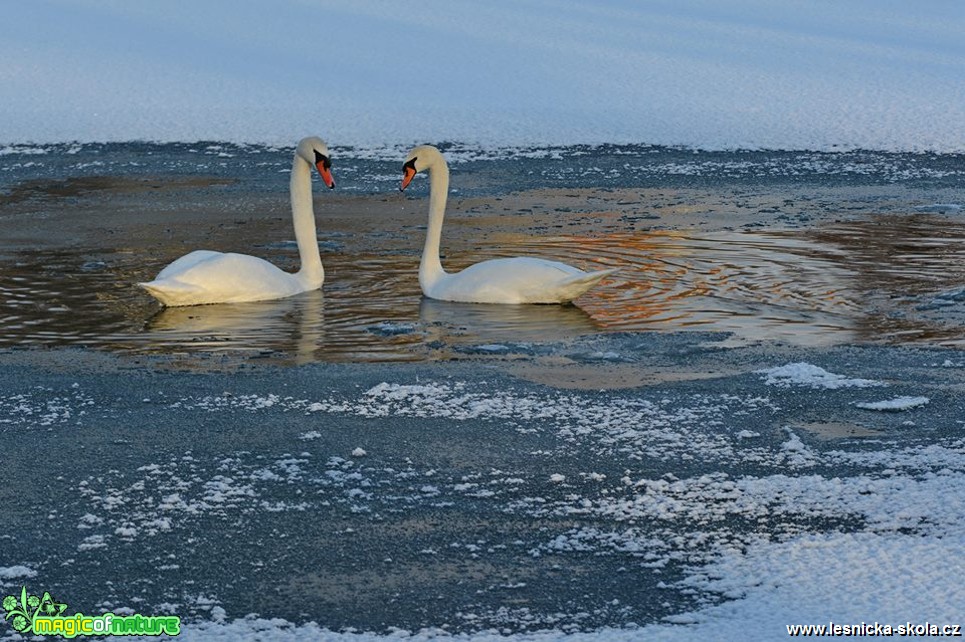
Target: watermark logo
{"type": "Point", "coordinates": [28, 607]}
{"type": "Point", "coordinates": [43, 615]}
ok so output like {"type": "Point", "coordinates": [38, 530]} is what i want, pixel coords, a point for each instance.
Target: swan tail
{"type": "Point", "coordinates": [572, 287]}
{"type": "Point", "coordinates": [170, 293]}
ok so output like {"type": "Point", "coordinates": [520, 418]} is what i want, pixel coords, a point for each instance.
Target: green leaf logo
{"type": "Point", "coordinates": [22, 611]}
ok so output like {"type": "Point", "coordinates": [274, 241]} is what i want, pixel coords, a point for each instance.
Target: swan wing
{"type": "Point", "coordinates": [186, 262]}
{"type": "Point", "coordinates": [213, 277]}
{"type": "Point", "coordinates": [515, 280]}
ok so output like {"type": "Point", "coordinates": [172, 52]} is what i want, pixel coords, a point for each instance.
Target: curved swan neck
{"type": "Point", "coordinates": [430, 268]}
{"type": "Point", "coordinates": [303, 218]}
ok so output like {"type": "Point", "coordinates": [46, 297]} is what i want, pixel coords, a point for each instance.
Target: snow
{"type": "Point", "coordinates": [894, 405]}
{"type": "Point", "coordinates": [747, 73]}
{"type": "Point", "coordinates": [840, 578]}
{"type": "Point", "coordinates": [878, 575]}
{"type": "Point", "coordinates": [811, 580]}
{"type": "Point", "coordinates": [894, 510]}
{"type": "Point", "coordinates": [806, 374]}
{"type": "Point", "coordinates": [16, 572]}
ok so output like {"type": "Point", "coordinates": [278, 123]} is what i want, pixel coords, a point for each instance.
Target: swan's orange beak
{"type": "Point", "coordinates": [408, 173]}
{"type": "Point", "coordinates": [325, 171]}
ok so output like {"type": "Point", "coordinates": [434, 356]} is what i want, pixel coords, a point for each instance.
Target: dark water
{"type": "Point", "coordinates": [891, 278]}
{"type": "Point", "coordinates": [488, 171]}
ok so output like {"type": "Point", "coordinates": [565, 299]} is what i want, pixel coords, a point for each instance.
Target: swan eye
{"type": "Point", "coordinates": [324, 166]}
{"type": "Point", "coordinates": [323, 159]}
{"type": "Point", "coordinates": [408, 172]}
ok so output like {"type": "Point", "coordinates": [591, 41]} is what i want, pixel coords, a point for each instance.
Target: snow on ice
{"type": "Point", "coordinates": [744, 74]}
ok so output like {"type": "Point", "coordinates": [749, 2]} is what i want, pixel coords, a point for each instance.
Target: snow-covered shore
{"type": "Point", "coordinates": [746, 74]}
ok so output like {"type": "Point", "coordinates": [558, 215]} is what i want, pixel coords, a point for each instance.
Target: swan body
{"type": "Point", "coordinates": [514, 280]}
{"type": "Point", "coordinates": [509, 280]}
{"type": "Point", "coordinates": [204, 276]}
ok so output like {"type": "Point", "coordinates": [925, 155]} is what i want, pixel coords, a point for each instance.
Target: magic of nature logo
{"type": "Point", "coordinates": [43, 615]}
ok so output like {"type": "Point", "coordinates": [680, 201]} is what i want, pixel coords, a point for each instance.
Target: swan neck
{"type": "Point", "coordinates": [430, 268]}
{"type": "Point", "coordinates": [303, 218]}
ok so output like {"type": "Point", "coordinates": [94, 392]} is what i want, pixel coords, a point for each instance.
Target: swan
{"type": "Point", "coordinates": [204, 276]}
{"type": "Point", "coordinates": [510, 280]}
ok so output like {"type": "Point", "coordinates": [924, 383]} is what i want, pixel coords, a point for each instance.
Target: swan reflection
{"type": "Point", "coordinates": [295, 325]}
{"type": "Point", "coordinates": [451, 322]}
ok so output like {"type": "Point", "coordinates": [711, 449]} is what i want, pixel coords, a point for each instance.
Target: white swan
{"type": "Point", "coordinates": [513, 280]}
{"type": "Point", "coordinates": [204, 276]}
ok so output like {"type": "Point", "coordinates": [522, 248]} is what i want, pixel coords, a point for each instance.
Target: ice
{"type": "Point", "coordinates": [894, 405]}
{"type": "Point", "coordinates": [16, 572]}
{"type": "Point", "coordinates": [810, 580]}
{"type": "Point", "coordinates": [809, 375]}
{"type": "Point", "coordinates": [23, 150]}
{"type": "Point", "coordinates": [940, 208]}
{"type": "Point", "coordinates": [742, 74]}
{"type": "Point", "coordinates": [389, 329]}
{"type": "Point", "coordinates": [768, 529]}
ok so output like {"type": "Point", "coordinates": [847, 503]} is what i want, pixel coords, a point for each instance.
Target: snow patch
{"type": "Point", "coordinates": [894, 405]}
{"type": "Point", "coordinates": [16, 572]}
{"type": "Point", "coordinates": [811, 376]}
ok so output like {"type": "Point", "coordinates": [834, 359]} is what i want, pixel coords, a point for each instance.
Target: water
{"type": "Point", "coordinates": [892, 274]}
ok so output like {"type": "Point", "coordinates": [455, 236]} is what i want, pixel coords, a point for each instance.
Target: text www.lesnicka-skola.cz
{"type": "Point", "coordinates": [874, 629]}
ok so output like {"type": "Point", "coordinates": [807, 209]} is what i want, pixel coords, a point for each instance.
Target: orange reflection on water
{"type": "Point", "coordinates": [755, 284]}
{"type": "Point", "coordinates": [835, 285]}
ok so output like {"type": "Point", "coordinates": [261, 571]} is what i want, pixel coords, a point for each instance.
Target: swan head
{"type": "Point", "coordinates": [420, 158]}
{"type": "Point", "coordinates": [314, 151]}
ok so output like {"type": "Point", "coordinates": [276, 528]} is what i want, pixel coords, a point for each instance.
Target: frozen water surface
{"type": "Point", "coordinates": [292, 503]}
{"type": "Point", "coordinates": [803, 481]}
{"type": "Point", "coordinates": [746, 74]}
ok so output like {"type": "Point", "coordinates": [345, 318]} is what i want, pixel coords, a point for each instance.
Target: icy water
{"type": "Point", "coordinates": [895, 276]}
{"type": "Point", "coordinates": [616, 485]}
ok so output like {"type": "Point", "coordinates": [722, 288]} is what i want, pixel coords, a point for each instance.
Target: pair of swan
{"type": "Point", "coordinates": [204, 276]}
